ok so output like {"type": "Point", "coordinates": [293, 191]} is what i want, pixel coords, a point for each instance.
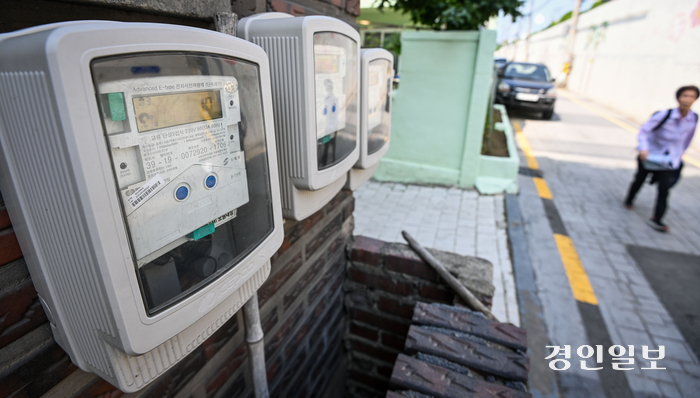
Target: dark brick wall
{"type": "Point", "coordinates": [384, 283]}
{"type": "Point", "coordinates": [301, 306]}
{"type": "Point", "coordinates": [345, 10]}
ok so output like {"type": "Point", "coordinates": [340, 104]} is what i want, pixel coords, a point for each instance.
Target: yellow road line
{"type": "Point", "coordinates": [618, 122]}
{"type": "Point", "coordinates": [580, 285]}
{"type": "Point", "coordinates": [578, 279]}
{"type": "Point", "coordinates": [525, 146]}
{"type": "Point", "coordinates": [542, 188]}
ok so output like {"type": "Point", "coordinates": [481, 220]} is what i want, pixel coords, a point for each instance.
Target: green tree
{"type": "Point", "coordinates": [453, 14]}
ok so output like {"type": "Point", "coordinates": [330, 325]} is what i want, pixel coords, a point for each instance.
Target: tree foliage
{"type": "Point", "coordinates": [453, 14]}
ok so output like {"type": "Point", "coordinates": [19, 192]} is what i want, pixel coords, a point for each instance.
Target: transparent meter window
{"type": "Point", "coordinates": [187, 144]}
{"type": "Point", "coordinates": [379, 83]}
{"type": "Point", "coordinates": [335, 70]}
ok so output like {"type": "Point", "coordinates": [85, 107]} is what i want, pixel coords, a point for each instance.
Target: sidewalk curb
{"type": "Point", "coordinates": [542, 380]}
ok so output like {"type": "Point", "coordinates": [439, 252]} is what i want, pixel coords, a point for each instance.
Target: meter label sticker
{"type": "Point", "coordinates": [149, 188]}
{"type": "Point", "coordinates": [330, 68]}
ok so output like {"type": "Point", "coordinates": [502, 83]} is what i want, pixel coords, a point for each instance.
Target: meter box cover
{"type": "Point", "coordinates": [377, 78]}
{"type": "Point", "coordinates": [315, 63]}
{"type": "Point", "coordinates": [140, 174]}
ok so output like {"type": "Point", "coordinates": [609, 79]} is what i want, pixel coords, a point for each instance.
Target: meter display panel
{"type": "Point", "coordinates": [335, 78]}
{"type": "Point", "coordinates": [186, 138]}
{"type": "Point", "coordinates": [379, 85]}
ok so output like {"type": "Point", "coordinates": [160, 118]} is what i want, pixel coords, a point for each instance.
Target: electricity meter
{"type": "Point", "coordinates": [315, 64]}
{"type": "Point", "coordinates": [377, 78]}
{"type": "Point", "coordinates": [140, 174]}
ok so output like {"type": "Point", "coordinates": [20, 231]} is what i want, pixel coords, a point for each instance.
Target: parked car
{"type": "Point", "coordinates": [499, 63]}
{"type": "Point", "coordinates": [527, 86]}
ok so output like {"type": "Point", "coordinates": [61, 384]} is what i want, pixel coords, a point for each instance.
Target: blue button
{"type": "Point", "coordinates": [182, 192]}
{"type": "Point", "coordinates": [210, 181]}
{"type": "Point", "coordinates": [333, 108]}
{"type": "Point", "coordinates": [325, 110]}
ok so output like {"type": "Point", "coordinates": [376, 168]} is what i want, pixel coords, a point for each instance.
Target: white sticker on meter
{"type": "Point", "coordinates": [180, 135]}
{"type": "Point", "coordinates": [149, 188]}
{"type": "Point", "coordinates": [330, 69]}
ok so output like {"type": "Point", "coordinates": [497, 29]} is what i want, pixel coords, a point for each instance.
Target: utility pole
{"type": "Point", "coordinates": [572, 41]}
{"type": "Point", "coordinates": [529, 27]}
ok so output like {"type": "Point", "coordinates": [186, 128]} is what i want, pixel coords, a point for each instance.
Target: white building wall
{"type": "Point", "coordinates": [630, 55]}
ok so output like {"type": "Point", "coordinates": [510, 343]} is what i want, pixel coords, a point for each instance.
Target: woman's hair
{"type": "Point", "coordinates": [686, 88]}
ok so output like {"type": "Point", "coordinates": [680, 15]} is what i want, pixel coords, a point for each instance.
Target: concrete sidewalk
{"type": "Point", "coordinates": [449, 219]}
{"type": "Point", "coordinates": [588, 163]}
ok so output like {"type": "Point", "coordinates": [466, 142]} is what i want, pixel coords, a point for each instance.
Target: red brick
{"type": "Point", "coordinates": [9, 247]}
{"type": "Point", "coordinates": [243, 8]}
{"type": "Point", "coordinates": [367, 250]}
{"type": "Point", "coordinates": [213, 344]}
{"type": "Point", "coordinates": [36, 371]}
{"type": "Point", "coordinates": [4, 219]}
{"type": "Point", "coordinates": [435, 293]}
{"type": "Point", "coordinates": [379, 322]}
{"type": "Point", "coordinates": [279, 6]}
{"type": "Point", "coordinates": [374, 382]}
{"type": "Point", "coordinates": [294, 369]}
{"type": "Point", "coordinates": [337, 200]}
{"type": "Point", "coordinates": [330, 231]}
{"type": "Point", "coordinates": [326, 366]}
{"type": "Point", "coordinates": [393, 341]}
{"type": "Point", "coordinates": [228, 368]}
{"type": "Point", "coordinates": [297, 11]}
{"type": "Point", "coordinates": [293, 293]}
{"type": "Point", "coordinates": [405, 263]}
{"type": "Point", "coordinates": [378, 353]}
{"type": "Point", "coordinates": [294, 230]}
{"type": "Point", "coordinates": [21, 313]}
{"type": "Point", "coordinates": [352, 7]}
{"type": "Point", "coordinates": [280, 275]}
{"type": "Point", "coordinates": [380, 282]}
{"type": "Point", "coordinates": [395, 308]}
{"type": "Point", "coordinates": [348, 209]}
{"type": "Point", "coordinates": [269, 320]}
{"type": "Point", "coordinates": [296, 342]}
{"type": "Point", "coordinates": [330, 282]}
{"type": "Point", "coordinates": [272, 368]}
{"type": "Point", "coordinates": [273, 343]}
{"type": "Point", "coordinates": [100, 388]}
{"type": "Point", "coordinates": [236, 388]}
{"type": "Point", "coordinates": [335, 309]}
{"type": "Point", "coordinates": [337, 3]}
{"type": "Point", "coordinates": [361, 331]}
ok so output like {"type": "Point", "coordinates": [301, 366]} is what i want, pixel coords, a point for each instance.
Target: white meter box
{"type": "Point", "coordinates": [140, 173]}
{"type": "Point", "coordinates": [377, 78]}
{"type": "Point", "coordinates": [315, 68]}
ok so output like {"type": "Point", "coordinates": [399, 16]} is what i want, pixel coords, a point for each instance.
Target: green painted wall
{"type": "Point", "coordinates": [440, 107]}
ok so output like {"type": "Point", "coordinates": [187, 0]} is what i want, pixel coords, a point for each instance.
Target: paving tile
{"type": "Point", "coordinates": [687, 385]}
{"type": "Point", "coordinates": [675, 349]}
{"type": "Point", "coordinates": [669, 389]}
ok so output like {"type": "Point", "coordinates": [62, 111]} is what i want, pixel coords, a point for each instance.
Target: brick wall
{"type": "Point", "coordinates": [345, 10]}
{"type": "Point", "coordinates": [384, 283]}
{"type": "Point", "coordinates": [22, 14]}
{"type": "Point", "coordinates": [301, 306]}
